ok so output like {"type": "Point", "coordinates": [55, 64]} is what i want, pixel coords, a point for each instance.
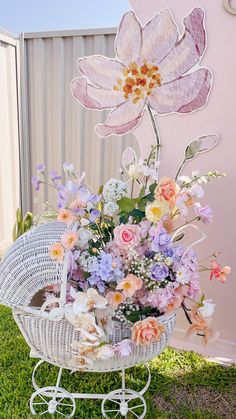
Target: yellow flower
{"type": "Point", "coordinates": [156, 210]}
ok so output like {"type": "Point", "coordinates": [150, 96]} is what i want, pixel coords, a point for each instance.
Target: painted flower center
{"type": "Point", "coordinates": [138, 81]}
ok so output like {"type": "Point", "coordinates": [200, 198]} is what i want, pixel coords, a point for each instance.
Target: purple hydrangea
{"type": "Point", "coordinates": [161, 240]}
{"type": "Point", "coordinates": [159, 272]}
{"type": "Point", "coordinates": [106, 269]}
{"type": "Point", "coordinates": [96, 280]}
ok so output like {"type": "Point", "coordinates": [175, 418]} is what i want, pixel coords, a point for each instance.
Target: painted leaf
{"type": "Point", "coordinates": [200, 145]}
{"type": "Point", "coordinates": [128, 157]}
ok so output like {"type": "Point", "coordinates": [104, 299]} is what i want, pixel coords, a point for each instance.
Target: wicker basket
{"type": "Point", "coordinates": [51, 340]}
{"type": "Point", "coordinates": [26, 270]}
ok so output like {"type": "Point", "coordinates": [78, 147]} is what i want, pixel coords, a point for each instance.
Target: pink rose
{"type": "Point", "coordinates": [126, 235]}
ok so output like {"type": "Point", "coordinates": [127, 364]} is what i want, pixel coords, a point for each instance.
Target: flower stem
{"type": "Point", "coordinates": [187, 222]}
{"type": "Point", "coordinates": [153, 122]}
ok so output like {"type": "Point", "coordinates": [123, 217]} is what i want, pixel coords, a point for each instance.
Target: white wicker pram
{"type": "Point", "coordinates": [25, 270]}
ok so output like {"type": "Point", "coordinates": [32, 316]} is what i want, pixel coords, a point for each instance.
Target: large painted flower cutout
{"type": "Point", "coordinates": [153, 67]}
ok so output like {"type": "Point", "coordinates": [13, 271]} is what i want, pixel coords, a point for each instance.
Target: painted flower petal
{"type": "Point", "coordinates": [188, 50]}
{"type": "Point", "coordinates": [101, 71]}
{"type": "Point", "coordinates": [122, 119]}
{"type": "Point", "coordinates": [159, 37]}
{"type": "Point", "coordinates": [94, 97]}
{"type": "Point", "coordinates": [128, 39]}
{"type": "Point", "coordinates": [183, 95]}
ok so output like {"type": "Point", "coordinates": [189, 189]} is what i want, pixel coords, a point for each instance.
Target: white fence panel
{"type": "Point", "coordinates": [59, 128]}
{"type": "Point", "coordinates": [9, 137]}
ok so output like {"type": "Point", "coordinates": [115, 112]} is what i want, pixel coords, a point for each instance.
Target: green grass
{"type": "Point", "coordinates": [184, 385]}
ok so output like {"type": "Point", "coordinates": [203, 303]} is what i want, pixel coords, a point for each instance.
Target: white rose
{"type": "Point", "coordinates": [208, 308]}
{"type": "Point", "coordinates": [134, 171]}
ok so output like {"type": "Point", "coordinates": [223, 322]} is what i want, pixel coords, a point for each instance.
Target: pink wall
{"type": "Point", "coordinates": [219, 116]}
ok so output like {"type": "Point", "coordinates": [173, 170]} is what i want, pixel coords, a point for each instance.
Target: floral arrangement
{"type": "Point", "coordinates": [127, 260]}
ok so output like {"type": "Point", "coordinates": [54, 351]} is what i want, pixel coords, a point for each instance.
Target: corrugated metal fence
{"type": "Point", "coordinates": [57, 128]}
{"type": "Point", "coordinates": [9, 136]}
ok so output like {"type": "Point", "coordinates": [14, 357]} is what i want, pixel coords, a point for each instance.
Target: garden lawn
{"type": "Point", "coordinates": [184, 385]}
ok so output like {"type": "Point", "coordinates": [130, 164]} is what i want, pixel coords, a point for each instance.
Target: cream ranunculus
{"type": "Point", "coordinates": [156, 210]}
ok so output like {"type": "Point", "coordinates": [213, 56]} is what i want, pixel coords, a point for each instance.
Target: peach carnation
{"type": "Point", "coordinates": [114, 298]}
{"type": "Point", "coordinates": [146, 332]}
{"type": "Point", "coordinates": [69, 240]}
{"type": "Point", "coordinates": [65, 216]}
{"type": "Point", "coordinates": [56, 252]}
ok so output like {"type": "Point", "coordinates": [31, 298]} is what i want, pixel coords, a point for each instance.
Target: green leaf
{"type": "Point", "coordinates": [100, 190]}
{"type": "Point", "coordinates": [152, 187]}
{"type": "Point", "coordinates": [142, 192]}
{"type": "Point", "coordinates": [137, 214]}
{"type": "Point", "coordinates": [126, 204]}
{"type": "Point", "coordinates": [18, 215]}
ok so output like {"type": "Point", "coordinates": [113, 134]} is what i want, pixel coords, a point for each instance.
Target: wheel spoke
{"type": "Point", "coordinates": [60, 399]}
{"type": "Point", "coordinates": [60, 413]}
{"type": "Point", "coordinates": [65, 404]}
{"type": "Point", "coordinates": [115, 401]}
{"type": "Point", "coordinates": [112, 410]}
{"type": "Point", "coordinates": [34, 403]}
{"type": "Point", "coordinates": [137, 416]}
{"type": "Point", "coordinates": [43, 413]}
{"type": "Point", "coordinates": [43, 398]}
{"type": "Point", "coordinates": [136, 407]}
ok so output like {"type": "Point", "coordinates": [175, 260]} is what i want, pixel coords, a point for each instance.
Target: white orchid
{"type": "Point", "coordinates": [87, 301]}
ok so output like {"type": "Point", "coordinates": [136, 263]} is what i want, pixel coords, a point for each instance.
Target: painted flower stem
{"type": "Point", "coordinates": [180, 169]}
{"type": "Point", "coordinates": [157, 137]}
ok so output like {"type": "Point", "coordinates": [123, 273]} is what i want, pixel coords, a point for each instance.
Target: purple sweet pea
{"type": "Point", "coordinates": [124, 348]}
{"type": "Point", "coordinates": [54, 176]}
{"type": "Point", "coordinates": [94, 214]}
{"type": "Point", "coordinates": [36, 182]}
{"type": "Point", "coordinates": [61, 196]}
{"type": "Point", "coordinates": [72, 187]}
{"type": "Point", "coordinates": [205, 214]}
{"type": "Point", "coordinates": [159, 272]}
{"type": "Point", "coordinates": [40, 168]}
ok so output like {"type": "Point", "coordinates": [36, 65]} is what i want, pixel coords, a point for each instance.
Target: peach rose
{"type": "Point", "coordinates": [130, 285]}
{"type": "Point", "coordinates": [146, 332]}
{"type": "Point", "coordinates": [168, 190]}
{"type": "Point", "coordinates": [126, 234]}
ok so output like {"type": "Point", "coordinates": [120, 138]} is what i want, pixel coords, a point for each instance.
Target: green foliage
{"type": "Point", "coordinates": [126, 204]}
{"type": "Point", "coordinates": [22, 224]}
